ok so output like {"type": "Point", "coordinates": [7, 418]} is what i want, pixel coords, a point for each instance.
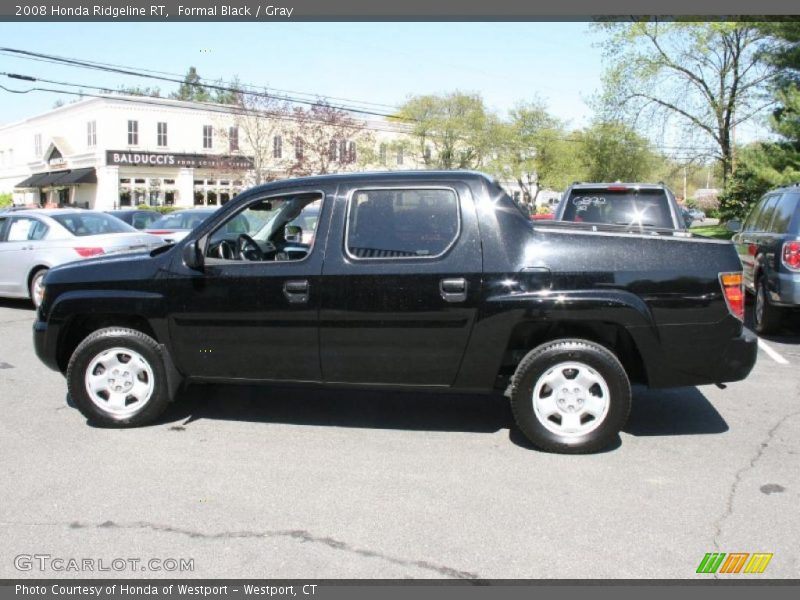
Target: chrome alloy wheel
{"type": "Point", "coordinates": [571, 399]}
{"type": "Point", "coordinates": [119, 381]}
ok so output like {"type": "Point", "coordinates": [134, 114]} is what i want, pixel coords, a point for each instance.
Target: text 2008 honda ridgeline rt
{"type": "Point", "coordinates": [418, 280]}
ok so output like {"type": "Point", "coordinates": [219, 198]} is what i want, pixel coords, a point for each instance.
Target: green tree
{"type": "Point", "coordinates": [453, 131]}
{"type": "Point", "coordinates": [612, 151]}
{"type": "Point", "coordinates": [192, 89]}
{"type": "Point", "coordinates": [707, 78]}
{"type": "Point", "coordinates": [535, 151]}
{"type": "Point", "coordinates": [769, 164]}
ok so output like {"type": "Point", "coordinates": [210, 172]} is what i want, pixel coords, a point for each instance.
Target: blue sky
{"type": "Point", "coordinates": [377, 62]}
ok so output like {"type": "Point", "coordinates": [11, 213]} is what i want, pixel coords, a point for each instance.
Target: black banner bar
{"type": "Point", "coordinates": [370, 10]}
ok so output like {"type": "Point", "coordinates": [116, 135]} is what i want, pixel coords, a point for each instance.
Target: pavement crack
{"type": "Point", "coordinates": [295, 534]}
{"type": "Point", "coordinates": [718, 526]}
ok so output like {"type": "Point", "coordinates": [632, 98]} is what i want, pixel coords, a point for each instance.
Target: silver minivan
{"type": "Point", "coordinates": [32, 241]}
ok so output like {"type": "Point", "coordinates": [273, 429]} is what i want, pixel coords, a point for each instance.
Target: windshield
{"type": "Point", "coordinates": [648, 208]}
{"type": "Point", "coordinates": [91, 223]}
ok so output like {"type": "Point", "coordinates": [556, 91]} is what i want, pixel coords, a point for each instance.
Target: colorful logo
{"type": "Point", "coordinates": [735, 562]}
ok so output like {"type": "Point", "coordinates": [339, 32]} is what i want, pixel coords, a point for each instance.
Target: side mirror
{"type": "Point", "coordinates": [192, 257]}
{"type": "Point", "coordinates": [734, 225]}
{"type": "Point", "coordinates": [293, 234]}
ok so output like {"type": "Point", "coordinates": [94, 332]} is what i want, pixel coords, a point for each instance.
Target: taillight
{"type": "Point", "coordinates": [617, 188]}
{"type": "Point", "coordinates": [88, 251]}
{"type": "Point", "coordinates": [733, 290]}
{"type": "Point", "coordinates": [160, 231]}
{"type": "Point", "coordinates": [791, 255]}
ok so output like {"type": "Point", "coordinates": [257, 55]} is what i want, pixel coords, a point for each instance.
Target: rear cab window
{"type": "Point", "coordinates": [646, 207]}
{"type": "Point", "coordinates": [401, 223]}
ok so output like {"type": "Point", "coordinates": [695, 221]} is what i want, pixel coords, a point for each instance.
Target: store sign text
{"type": "Point", "coordinates": [190, 161]}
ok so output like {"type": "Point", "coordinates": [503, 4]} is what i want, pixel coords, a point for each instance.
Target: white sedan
{"type": "Point", "coordinates": [32, 241]}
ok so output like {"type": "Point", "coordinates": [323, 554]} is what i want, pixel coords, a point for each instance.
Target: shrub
{"type": "Point", "coordinates": [6, 200]}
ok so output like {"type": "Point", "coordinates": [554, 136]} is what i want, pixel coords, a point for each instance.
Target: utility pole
{"type": "Point", "coordinates": [684, 184]}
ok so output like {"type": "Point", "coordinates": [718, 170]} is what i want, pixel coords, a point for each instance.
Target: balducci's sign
{"type": "Point", "coordinates": [166, 159]}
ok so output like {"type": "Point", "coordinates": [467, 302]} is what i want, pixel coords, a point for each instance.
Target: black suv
{"type": "Point", "coordinates": [768, 243]}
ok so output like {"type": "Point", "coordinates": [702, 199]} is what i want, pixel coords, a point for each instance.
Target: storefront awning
{"type": "Point", "coordinates": [70, 177]}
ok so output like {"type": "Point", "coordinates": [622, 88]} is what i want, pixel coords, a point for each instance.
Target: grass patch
{"type": "Point", "coordinates": [718, 232]}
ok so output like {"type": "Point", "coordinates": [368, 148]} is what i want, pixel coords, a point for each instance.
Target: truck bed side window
{"type": "Point", "coordinates": [401, 223]}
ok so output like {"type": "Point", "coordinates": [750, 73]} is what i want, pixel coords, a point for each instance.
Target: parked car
{"type": "Point", "coordinates": [649, 205]}
{"type": "Point", "coordinates": [32, 241]}
{"type": "Point", "coordinates": [414, 280]}
{"type": "Point", "coordinates": [136, 218]}
{"type": "Point", "coordinates": [175, 226]}
{"type": "Point", "coordinates": [768, 244]}
{"type": "Point", "coordinates": [697, 214]}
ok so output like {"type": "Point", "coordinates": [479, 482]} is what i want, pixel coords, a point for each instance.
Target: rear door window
{"type": "Point", "coordinates": [755, 214]}
{"type": "Point", "coordinates": [767, 211]}
{"type": "Point", "coordinates": [401, 223]}
{"type": "Point", "coordinates": [646, 207]}
{"type": "Point", "coordinates": [784, 211]}
{"type": "Point", "coordinates": [26, 229]}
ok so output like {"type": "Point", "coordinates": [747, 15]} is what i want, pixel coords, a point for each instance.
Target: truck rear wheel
{"type": "Point", "coordinates": [116, 378]}
{"type": "Point", "coordinates": [570, 396]}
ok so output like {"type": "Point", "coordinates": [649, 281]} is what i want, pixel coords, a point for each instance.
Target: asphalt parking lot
{"type": "Point", "coordinates": [275, 482]}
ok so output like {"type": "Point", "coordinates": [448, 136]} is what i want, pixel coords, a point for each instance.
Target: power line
{"type": "Point", "coordinates": [58, 60]}
{"type": "Point", "coordinates": [213, 86]}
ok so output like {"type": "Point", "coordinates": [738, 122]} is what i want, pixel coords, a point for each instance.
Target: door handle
{"type": "Point", "coordinates": [453, 290]}
{"type": "Point", "coordinates": [296, 291]}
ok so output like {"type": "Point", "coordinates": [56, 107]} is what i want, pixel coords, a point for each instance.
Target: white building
{"type": "Point", "coordinates": [113, 151]}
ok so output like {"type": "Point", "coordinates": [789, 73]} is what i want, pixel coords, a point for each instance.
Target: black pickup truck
{"type": "Point", "coordinates": [414, 280]}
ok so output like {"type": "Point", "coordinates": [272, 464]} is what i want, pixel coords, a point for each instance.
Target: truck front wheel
{"type": "Point", "coordinates": [570, 396]}
{"type": "Point", "coordinates": [116, 378]}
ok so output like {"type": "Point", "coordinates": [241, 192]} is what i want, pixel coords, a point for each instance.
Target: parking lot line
{"type": "Point", "coordinates": [771, 353]}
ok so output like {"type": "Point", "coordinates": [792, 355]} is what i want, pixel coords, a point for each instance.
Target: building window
{"type": "Point", "coordinates": [208, 136]}
{"type": "Point", "coordinates": [400, 155]}
{"type": "Point", "coordinates": [343, 151]}
{"type": "Point", "coordinates": [37, 145]}
{"type": "Point", "coordinates": [298, 149]}
{"type": "Point", "coordinates": [427, 153]}
{"type": "Point", "coordinates": [332, 151]}
{"type": "Point", "coordinates": [277, 147]}
{"type": "Point", "coordinates": [382, 154]}
{"type": "Point", "coordinates": [233, 139]}
{"type": "Point", "coordinates": [161, 137]}
{"type": "Point", "coordinates": [351, 152]}
{"type": "Point", "coordinates": [91, 134]}
{"type": "Point", "coordinates": [133, 133]}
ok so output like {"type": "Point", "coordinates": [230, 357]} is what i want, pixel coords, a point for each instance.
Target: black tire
{"type": "Point", "coordinates": [767, 318]}
{"type": "Point", "coordinates": [127, 339]}
{"type": "Point", "coordinates": [35, 280]}
{"type": "Point", "coordinates": [539, 362]}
